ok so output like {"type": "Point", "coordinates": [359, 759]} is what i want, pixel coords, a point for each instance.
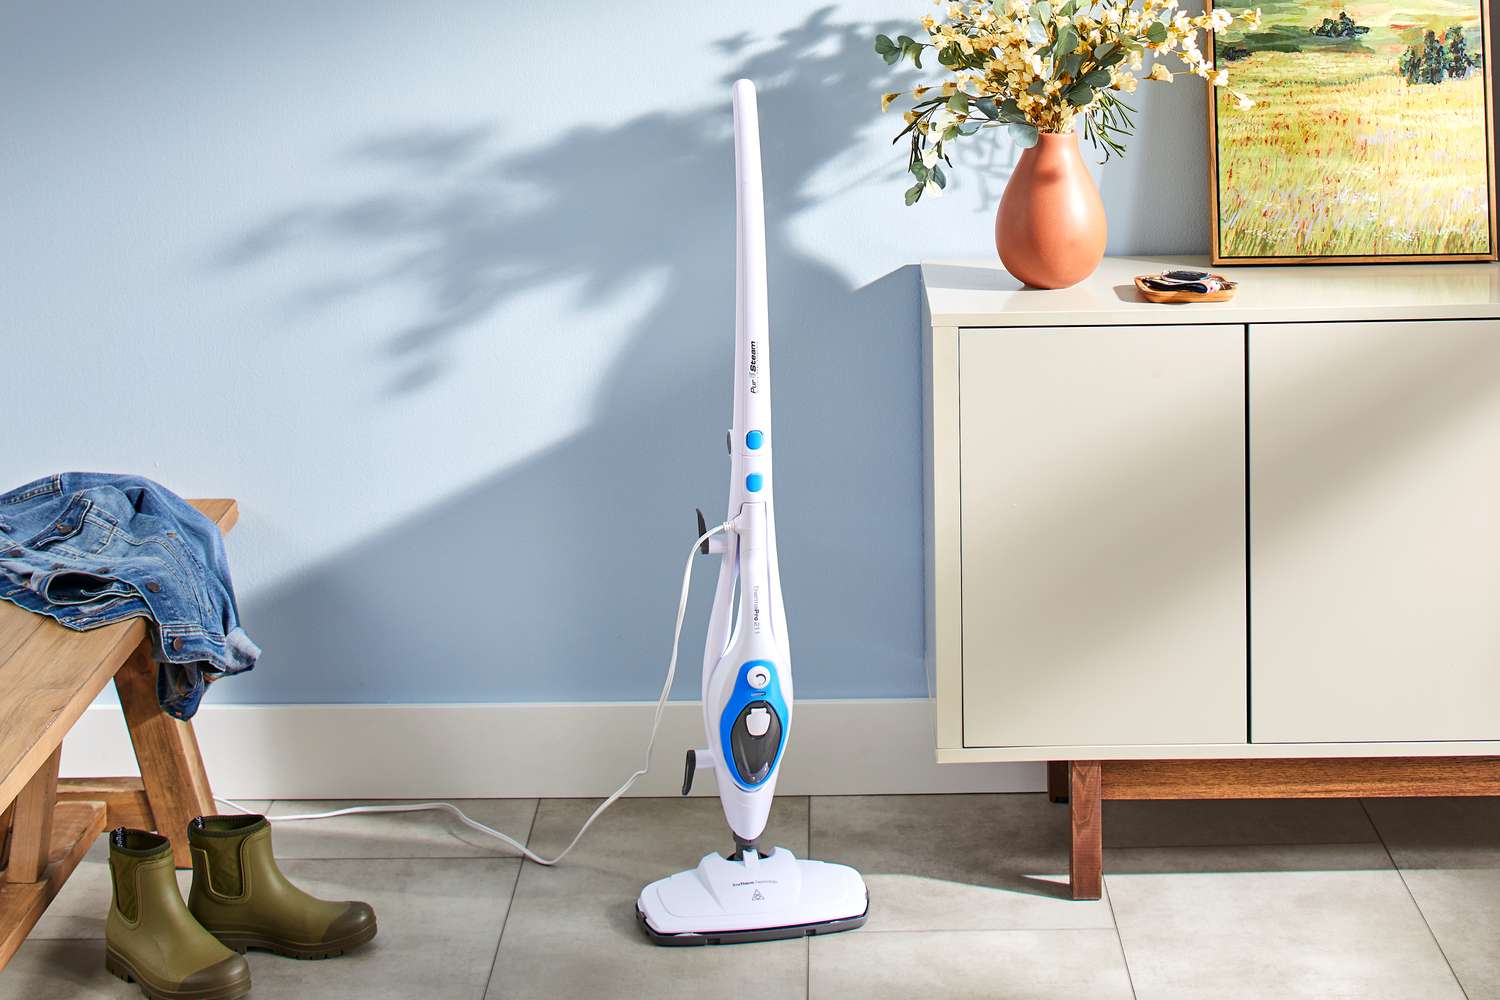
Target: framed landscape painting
{"type": "Point", "coordinates": [1370, 139]}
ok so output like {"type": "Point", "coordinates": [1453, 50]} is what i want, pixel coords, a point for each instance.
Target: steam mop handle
{"type": "Point", "coordinates": [752, 382]}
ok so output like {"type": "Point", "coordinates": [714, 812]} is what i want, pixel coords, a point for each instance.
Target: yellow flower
{"type": "Point", "coordinates": [917, 92]}
{"type": "Point", "coordinates": [886, 99]}
{"type": "Point", "coordinates": [949, 88]}
{"type": "Point", "coordinates": [909, 117]}
{"type": "Point", "coordinates": [1125, 82]}
{"type": "Point", "coordinates": [1160, 72]}
{"type": "Point", "coordinates": [1220, 78]}
{"type": "Point", "coordinates": [1245, 103]}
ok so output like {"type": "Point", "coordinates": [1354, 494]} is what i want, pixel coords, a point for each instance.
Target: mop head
{"type": "Point", "coordinates": [725, 901]}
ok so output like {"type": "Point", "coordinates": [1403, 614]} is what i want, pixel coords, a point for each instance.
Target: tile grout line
{"type": "Point", "coordinates": [917, 931]}
{"type": "Point", "coordinates": [1269, 843]}
{"type": "Point", "coordinates": [1119, 938]}
{"type": "Point", "coordinates": [863, 932]}
{"type": "Point", "coordinates": [510, 906]}
{"type": "Point", "coordinates": [1411, 896]}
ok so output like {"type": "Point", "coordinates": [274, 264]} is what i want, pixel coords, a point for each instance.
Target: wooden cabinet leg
{"type": "Point", "coordinates": [1057, 780]}
{"type": "Point", "coordinates": [31, 829]}
{"type": "Point", "coordinates": [1085, 810]}
{"type": "Point", "coordinates": [167, 750]}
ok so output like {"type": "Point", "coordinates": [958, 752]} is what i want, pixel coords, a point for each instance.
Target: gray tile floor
{"type": "Point", "coordinates": [1378, 899]}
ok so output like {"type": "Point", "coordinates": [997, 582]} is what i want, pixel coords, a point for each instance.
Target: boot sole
{"type": "Point", "coordinates": [119, 967]}
{"type": "Point", "coordinates": [241, 942]}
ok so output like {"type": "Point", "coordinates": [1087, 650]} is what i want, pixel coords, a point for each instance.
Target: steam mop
{"type": "Point", "coordinates": [752, 894]}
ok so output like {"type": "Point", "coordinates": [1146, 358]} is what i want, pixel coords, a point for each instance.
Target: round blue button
{"type": "Point", "coordinates": [754, 439]}
{"type": "Point", "coordinates": [754, 482]}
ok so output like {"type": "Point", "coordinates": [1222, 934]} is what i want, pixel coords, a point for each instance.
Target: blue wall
{"type": "Point", "coordinates": [443, 293]}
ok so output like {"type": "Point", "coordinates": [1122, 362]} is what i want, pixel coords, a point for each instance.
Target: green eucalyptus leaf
{"type": "Point", "coordinates": [883, 44]}
{"type": "Point", "coordinates": [913, 193]}
{"type": "Point", "coordinates": [1157, 33]}
{"type": "Point", "coordinates": [1079, 95]}
{"type": "Point", "coordinates": [919, 170]}
{"type": "Point", "coordinates": [1024, 136]}
{"type": "Point", "coordinates": [1069, 65]}
{"type": "Point", "coordinates": [1067, 9]}
{"type": "Point", "coordinates": [1067, 39]}
{"type": "Point", "coordinates": [1042, 12]}
{"type": "Point", "coordinates": [986, 106]}
{"type": "Point", "coordinates": [1102, 51]}
{"type": "Point", "coordinates": [891, 57]}
{"type": "Point", "coordinates": [959, 102]}
{"type": "Point", "coordinates": [1010, 109]}
{"type": "Point", "coordinates": [949, 133]}
{"type": "Point", "coordinates": [969, 127]}
{"type": "Point", "coordinates": [1117, 56]}
{"type": "Point", "coordinates": [939, 178]}
{"type": "Point", "coordinates": [1097, 78]}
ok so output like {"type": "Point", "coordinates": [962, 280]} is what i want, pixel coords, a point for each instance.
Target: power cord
{"type": "Point", "coordinates": [473, 824]}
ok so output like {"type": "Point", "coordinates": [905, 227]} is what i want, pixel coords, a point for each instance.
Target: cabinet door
{"type": "Point", "coordinates": [1375, 531]}
{"type": "Point", "coordinates": [1103, 535]}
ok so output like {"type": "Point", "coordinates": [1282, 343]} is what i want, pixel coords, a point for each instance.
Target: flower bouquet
{"type": "Point", "coordinates": [1043, 73]}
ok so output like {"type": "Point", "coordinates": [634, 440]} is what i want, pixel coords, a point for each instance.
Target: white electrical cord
{"type": "Point", "coordinates": [456, 813]}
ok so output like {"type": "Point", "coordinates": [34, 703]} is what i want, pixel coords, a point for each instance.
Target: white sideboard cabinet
{"type": "Point", "coordinates": [1241, 549]}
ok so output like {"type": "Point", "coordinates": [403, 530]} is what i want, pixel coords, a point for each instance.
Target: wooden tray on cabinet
{"type": "Point", "coordinates": [1152, 295]}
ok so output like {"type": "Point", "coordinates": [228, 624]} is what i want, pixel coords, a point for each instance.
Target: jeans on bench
{"type": "Point", "coordinates": [90, 549]}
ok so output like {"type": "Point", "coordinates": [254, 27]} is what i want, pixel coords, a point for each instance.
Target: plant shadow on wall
{"type": "Point", "coordinates": [559, 573]}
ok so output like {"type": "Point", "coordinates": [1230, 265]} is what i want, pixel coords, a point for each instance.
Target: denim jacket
{"type": "Point", "coordinates": [89, 549]}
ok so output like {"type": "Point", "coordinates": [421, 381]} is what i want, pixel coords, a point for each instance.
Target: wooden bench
{"type": "Point", "coordinates": [48, 676]}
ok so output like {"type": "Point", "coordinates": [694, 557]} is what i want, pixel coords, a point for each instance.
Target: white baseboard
{"type": "Point", "coordinates": [838, 747]}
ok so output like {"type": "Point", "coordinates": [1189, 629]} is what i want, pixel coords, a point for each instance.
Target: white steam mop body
{"type": "Point", "coordinates": [747, 673]}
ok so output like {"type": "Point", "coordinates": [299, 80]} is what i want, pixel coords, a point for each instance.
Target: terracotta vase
{"type": "Point", "coordinates": [1050, 228]}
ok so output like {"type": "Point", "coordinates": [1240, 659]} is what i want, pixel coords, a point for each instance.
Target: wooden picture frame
{"type": "Point", "coordinates": [1221, 254]}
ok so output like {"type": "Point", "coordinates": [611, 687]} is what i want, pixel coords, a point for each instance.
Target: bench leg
{"type": "Point", "coordinates": [31, 830]}
{"type": "Point", "coordinates": [5, 827]}
{"type": "Point", "coordinates": [1085, 810]}
{"type": "Point", "coordinates": [167, 751]}
{"type": "Point", "coordinates": [1057, 780]}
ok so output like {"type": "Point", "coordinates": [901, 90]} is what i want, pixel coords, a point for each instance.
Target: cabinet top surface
{"type": "Point", "coordinates": [981, 293]}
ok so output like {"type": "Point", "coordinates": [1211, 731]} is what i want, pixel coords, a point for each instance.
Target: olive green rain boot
{"type": "Point", "coordinates": [241, 897]}
{"type": "Point", "coordinates": [151, 939]}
